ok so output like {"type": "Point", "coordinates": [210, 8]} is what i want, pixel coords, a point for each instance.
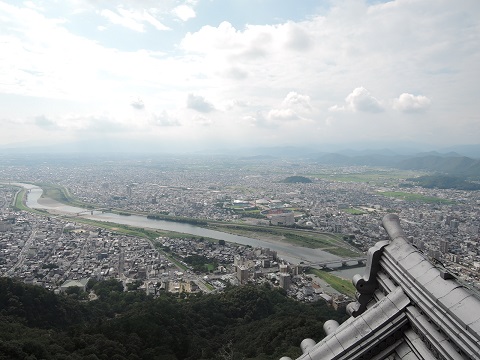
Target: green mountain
{"type": "Point", "coordinates": [453, 165]}
{"type": "Point", "coordinates": [445, 182]}
{"type": "Point", "coordinates": [297, 179]}
{"type": "Point", "coordinates": [245, 322]}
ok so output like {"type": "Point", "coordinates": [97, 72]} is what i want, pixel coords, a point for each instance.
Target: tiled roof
{"type": "Point", "coordinates": [406, 308]}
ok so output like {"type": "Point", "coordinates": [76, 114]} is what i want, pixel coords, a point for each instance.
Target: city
{"type": "Point", "coordinates": [56, 252]}
{"type": "Point", "coordinates": [228, 180]}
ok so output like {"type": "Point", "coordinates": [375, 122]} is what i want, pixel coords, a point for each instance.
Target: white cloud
{"type": "Point", "coordinates": [138, 104]}
{"type": "Point", "coordinates": [232, 104]}
{"type": "Point", "coordinates": [210, 38]}
{"type": "Point", "coordinates": [298, 101]}
{"type": "Point", "coordinates": [132, 19]}
{"type": "Point", "coordinates": [122, 20]}
{"type": "Point", "coordinates": [298, 38]}
{"type": "Point", "coordinates": [199, 103]}
{"type": "Point", "coordinates": [294, 107]}
{"type": "Point", "coordinates": [202, 120]}
{"type": "Point", "coordinates": [40, 57]}
{"type": "Point", "coordinates": [184, 12]}
{"type": "Point", "coordinates": [336, 108]}
{"type": "Point", "coordinates": [361, 100]}
{"type": "Point", "coordinates": [32, 5]}
{"type": "Point", "coordinates": [83, 123]}
{"type": "Point", "coordinates": [260, 120]}
{"type": "Point", "coordinates": [43, 122]}
{"type": "Point", "coordinates": [282, 115]}
{"type": "Point", "coordinates": [147, 17]}
{"type": "Point", "coordinates": [52, 60]}
{"type": "Point", "coordinates": [410, 103]}
{"type": "Point", "coordinates": [236, 72]}
{"type": "Point", "coordinates": [164, 119]}
{"type": "Point", "coordinates": [250, 120]}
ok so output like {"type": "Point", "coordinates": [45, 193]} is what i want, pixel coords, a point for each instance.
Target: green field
{"type": "Point", "coordinates": [55, 193]}
{"type": "Point", "coordinates": [354, 211]}
{"type": "Point", "coordinates": [415, 197]}
{"type": "Point", "coordinates": [19, 203]}
{"type": "Point", "coordinates": [332, 243]}
{"type": "Point", "coordinates": [378, 177]}
{"type": "Point", "coordinates": [61, 194]}
{"type": "Point", "coordinates": [341, 285]}
{"type": "Point", "coordinates": [19, 198]}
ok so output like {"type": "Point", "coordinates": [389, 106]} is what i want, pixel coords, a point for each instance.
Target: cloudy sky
{"type": "Point", "coordinates": [197, 74]}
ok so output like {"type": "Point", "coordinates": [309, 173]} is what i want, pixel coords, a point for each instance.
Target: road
{"type": "Point", "coordinates": [23, 252]}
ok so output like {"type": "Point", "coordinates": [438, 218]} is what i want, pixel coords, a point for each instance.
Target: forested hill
{"type": "Point", "coordinates": [242, 323]}
{"type": "Point", "coordinates": [297, 179]}
{"type": "Point", "coordinates": [444, 182]}
{"type": "Point", "coordinates": [452, 164]}
{"type": "Point", "coordinates": [458, 165]}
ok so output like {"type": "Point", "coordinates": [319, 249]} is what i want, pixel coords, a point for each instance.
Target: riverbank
{"type": "Point", "coordinates": [136, 225]}
{"type": "Point", "coordinates": [330, 243]}
{"type": "Point", "coordinates": [307, 246]}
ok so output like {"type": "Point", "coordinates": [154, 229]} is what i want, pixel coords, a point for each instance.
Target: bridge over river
{"type": "Point", "coordinates": [337, 263]}
{"type": "Point", "coordinates": [291, 253]}
{"type": "Point", "coordinates": [92, 211]}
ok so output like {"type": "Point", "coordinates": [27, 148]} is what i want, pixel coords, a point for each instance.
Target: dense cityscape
{"type": "Point", "coordinates": [59, 253]}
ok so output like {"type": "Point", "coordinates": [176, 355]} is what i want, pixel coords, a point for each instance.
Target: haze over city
{"type": "Point", "coordinates": [204, 74]}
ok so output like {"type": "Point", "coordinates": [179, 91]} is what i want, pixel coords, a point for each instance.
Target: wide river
{"type": "Point", "coordinates": [291, 253]}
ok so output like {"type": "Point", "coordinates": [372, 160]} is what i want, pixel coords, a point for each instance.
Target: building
{"type": "Point", "coordinates": [444, 246]}
{"type": "Point", "coordinates": [283, 219]}
{"type": "Point", "coordinates": [82, 284]}
{"type": "Point", "coordinates": [242, 274]}
{"type": "Point", "coordinates": [285, 280]}
{"type": "Point", "coordinates": [406, 308]}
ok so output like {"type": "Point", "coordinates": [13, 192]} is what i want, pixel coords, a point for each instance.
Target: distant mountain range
{"type": "Point", "coordinates": [365, 160]}
{"type": "Point", "coordinates": [458, 165]}
{"type": "Point", "coordinates": [152, 146]}
{"type": "Point", "coordinates": [462, 160]}
{"type": "Point", "coordinates": [451, 163]}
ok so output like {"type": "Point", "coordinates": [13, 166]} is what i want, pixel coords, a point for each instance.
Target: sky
{"type": "Point", "coordinates": [198, 74]}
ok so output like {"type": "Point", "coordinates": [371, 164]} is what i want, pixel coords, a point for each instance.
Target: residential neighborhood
{"type": "Point", "coordinates": [52, 251]}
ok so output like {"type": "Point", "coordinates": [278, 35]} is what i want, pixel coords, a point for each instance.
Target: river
{"type": "Point", "coordinates": [290, 253]}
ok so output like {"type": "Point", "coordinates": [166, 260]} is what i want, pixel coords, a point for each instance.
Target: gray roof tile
{"type": "Point", "coordinates": [389, 309]}
{"type": "Point", "coordinates": [373, 318]}
{"type": "Point", "coordinates": [349, 337]}
{"type": "Point", "coordinates": [453, 297]}
{"type": "Point", "coordinates": [467, 310]}
{"type": "Point", "coordinates": [381, 276]}
{"type": "Point", "coordinates": [399, 299]}
{"type": "Point", "coordinates": [393, 246]}
{"type": "Point", "coordinates": [420, 347]}
{"type": "Point", "coordinates": [410, 356]}
{"type": "Point", "coordinates": [403, 349]}
{"type": "Point", "coordinates": [318, 352]}
{"type": "Point", "coordinates": [361, 326]}
{"type": "Point", "coordinates": [428, 276]}
{"type": "Point", "coordinates": [475, 328]}
{"type": "Point", "coordinates": [399, 249]}
{"type": "Point", "coordinates": [411, 260]}
{"type": "Point", "coordinates": [420, 269]}
{"type": "Point", "coordinates": [334, 345]}
{"type": "Point", "coordinates": [439, 287]}
{"type": "Point", "coordinates": [414, 312]}
{"type": "Point", "coordinates": [347, 323]}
